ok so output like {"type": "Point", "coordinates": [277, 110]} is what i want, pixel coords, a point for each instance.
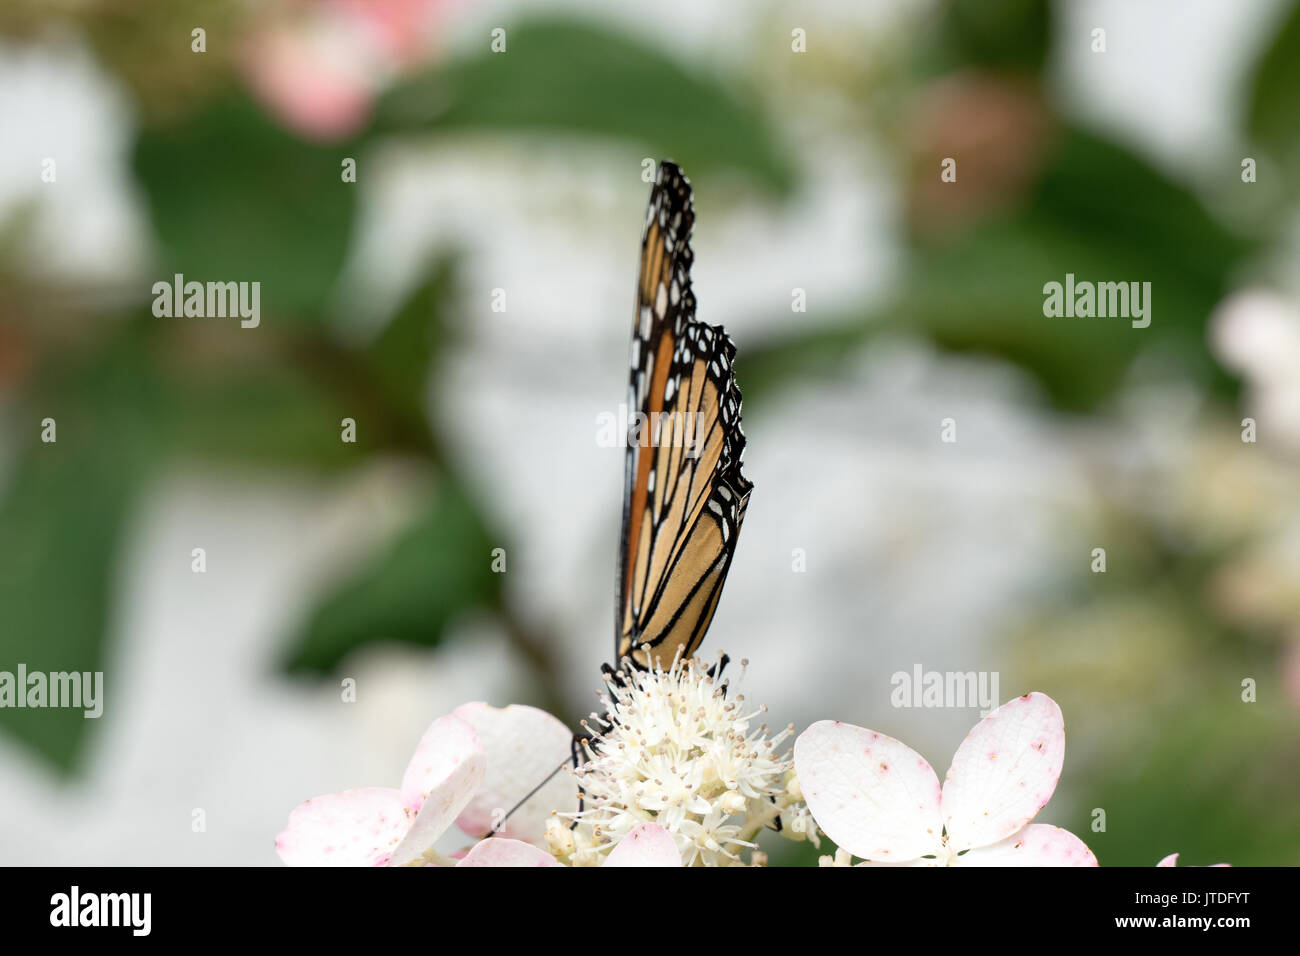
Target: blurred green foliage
{"type": "Point", "coordinates": [60, 521]}
{"type": "Point", "coordinates": [437, 569]}
{"type": "Point", "coordinates": [1100, 213]}
{"type": "Point", "coordinates": [232, 194]}
{"type": "Point", "coordinates": [1097, 211]}
{"type": "Point", "coordinates": [1001, 35]}
{"type": "Point", "coordinates": [1190, 794]}
{"type": "Point", "coordinates": [566, 75]}
{"type": "Point", "coordinates": [1275, 95]}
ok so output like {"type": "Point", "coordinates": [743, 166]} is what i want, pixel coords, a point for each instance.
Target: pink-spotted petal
{"type": "Point", "coordinates": [1172, 860]}
{"type": "Point", "coordinates": [448, 741]}
{"type": "Point", "coordinates": [501, 852]}
{"type": "Point", "coordinates": [647, 844]}
{"type": "Point", "coordinates": [924, 861]}
{"type": "Point", "coordinates": [352, 828]}
{"type": "Point", "coordinates": [1004, 772]}
{"type": "Point", "coordinates": [441, 806]}
{"type": "Point", "coordinates": [1036, 845]}
{"type": "Point", "coordinates": [523, 746]}
{"type": "Point", "coordinates": [875, 797]}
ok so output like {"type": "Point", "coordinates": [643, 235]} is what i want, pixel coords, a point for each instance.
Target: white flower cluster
{"type": "Point", "coordinates": [675, 749]}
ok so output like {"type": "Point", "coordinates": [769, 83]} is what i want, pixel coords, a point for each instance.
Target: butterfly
{"type": "Point", "coordinates": [684, 496]}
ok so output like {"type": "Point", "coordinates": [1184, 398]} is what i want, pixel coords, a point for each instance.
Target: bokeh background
{"type": "Point", "coordinates": [522, 171]}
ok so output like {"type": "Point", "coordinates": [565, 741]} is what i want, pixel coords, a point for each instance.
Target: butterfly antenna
{"type": "Point", "coordinates": [496, 828]}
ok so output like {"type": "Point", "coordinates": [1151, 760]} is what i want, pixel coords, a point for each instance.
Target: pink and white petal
{"type": "Point", "coordinates": [1038, 844]}
{"type": "Point", "coordinates": [502, 852]}
{"type": "Point", "coordinates": [445, 745]}
{"type": "Point", "coordinates": [523, 746]}
{"type": "Point", "coordinates": [872, 795]}
{"type": "Point", "coordinates": [647, 844]}
{"type": "Point", "coordinates": [924, 861]}
{"type": "Point", "coordinates": [440, 808]}
{"type": "Point", "coordinates": [1172, 860]}
{"type": "Point", "coordinates": [312, 76]}
{"type": "Point", "coordinates": [401, 28]}
{"type": "Point", "coordinates": [353, 828]}
{"type": "Point", "coordinates": [1004, 772]}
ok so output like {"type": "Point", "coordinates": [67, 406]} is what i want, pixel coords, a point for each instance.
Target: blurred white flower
{"type": "Point", "coordinates": [470, 768]}
{"type": "Point", "coordinates": [1256, 333]}
{"type": "Point", "coordinates": [676, 750]}
{"type": "Point", "coordinates": [881, 801]}
{"type": "Point", "coordinates": [647, 845]}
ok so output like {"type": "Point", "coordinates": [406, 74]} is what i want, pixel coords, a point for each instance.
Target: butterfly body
{"type": "Point", "coordinates": [684, 496]}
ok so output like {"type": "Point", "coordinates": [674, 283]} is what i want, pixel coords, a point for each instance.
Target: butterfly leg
{"type": "Point", "coordinates": [575, 754]}
{"type": "Point", "coordinates": [716, 670]}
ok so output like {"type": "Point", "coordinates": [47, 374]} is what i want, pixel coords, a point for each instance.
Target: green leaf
{"type": "Point", "coordinates": [1275, 94]}
{"type": "Point", "coordinates": [60, 524]}
{"type": "Point", "coordinates": [262, 412]}
{"type": "Point", "coordinates": [236, 199]}
{"type": "Point", "coordinates": [437, 569]}
{"type": "Point", "coordinates": [1135, 213]}
{"type": "Point", "coordinates": [405, 350]}
{"type": "Point", "coordinates": [1098, 213]}
{"type": "Point", "coordinates": [561, 74]}
{"type": "Point", "coordinates": [994, 34]}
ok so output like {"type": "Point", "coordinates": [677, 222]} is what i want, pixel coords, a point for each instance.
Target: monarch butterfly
{"type": "Point", "coordinates": [684, 496]}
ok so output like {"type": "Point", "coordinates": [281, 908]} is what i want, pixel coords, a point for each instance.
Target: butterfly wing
{"type": "Point", "coordinates": [683, 494]}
